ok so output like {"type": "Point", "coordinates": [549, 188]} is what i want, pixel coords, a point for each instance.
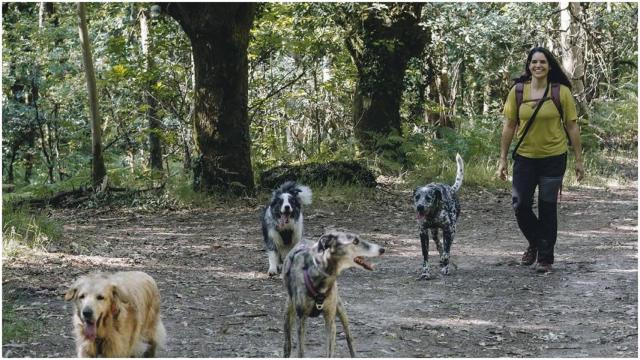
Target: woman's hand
{"type": "Point", "coordinates": [579, 171]}
{"type": "Point", "coordinates": [574, 134]}
{"type": "Point", "coordinates": [503, 170]}
{"type": "Point", "coordinates": [508, 129]}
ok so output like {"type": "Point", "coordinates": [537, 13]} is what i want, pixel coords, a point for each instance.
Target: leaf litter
{"type": "Point", "coordinates": [218, 302]}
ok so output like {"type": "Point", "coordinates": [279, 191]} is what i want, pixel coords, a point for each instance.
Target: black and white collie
{"type": "Point", "coordinates": [282, 222]}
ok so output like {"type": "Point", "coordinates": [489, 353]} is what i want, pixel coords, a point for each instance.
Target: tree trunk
{"type": "Point", "coordinates": [53, 135]}
{"type": "Point", "coordinates": [219, 34]}
{"type": "Point", "coordinates": [381, 41]}
{"type": "Point", "coordinates": [186, 155]}
{"type": "Point", "coordinates": [29, 158]}
{"type": "Point", "coordinates": [572, 49]}
{"type": "Point", "coordinates": [376, 108]}
{"type": "Point", "coordinates": [98, 170]}
{"type": "Point", "coordinates": [445, 98]}
{"type": "Point", "coordinates": [45, 136]}
{"type": "Point", "coordinates": [12, 160]}
{"type": "Point", "coordinates": [417, 112]}
{"type": "Point", "coordinates": [46, 10]}
{"type": "Point", "coordinates": [155, 125]}
{"type": "Point", "coordinates": [187, 134]}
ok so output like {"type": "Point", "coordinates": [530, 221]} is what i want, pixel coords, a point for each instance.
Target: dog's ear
{"type": "Point", "coordinates": [295, 193]}
{"type": "Point", "coordinates": [71, 293]}
{"type": "Point", "coordinates": [274, 196]}
{"type": "Point", "coordinates": [437, 196]}
{"type": "Point", "coordinates": [303, 194]}
{"type": "Point", "coordinates": [117, 296]}
{"type": "Point", "coordinates": [327, 241]}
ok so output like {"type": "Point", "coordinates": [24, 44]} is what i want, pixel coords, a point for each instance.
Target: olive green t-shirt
{"type": "Point", "coordinates": [546, 136]}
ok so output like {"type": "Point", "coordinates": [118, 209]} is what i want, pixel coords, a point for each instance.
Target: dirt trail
{"type": "Point", "coordinates": [218, 302]}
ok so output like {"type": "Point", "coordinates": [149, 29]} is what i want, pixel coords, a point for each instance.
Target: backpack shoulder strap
{"type": "Point", "coordinates": [519, 99]}
{"type": "Point", "coordinates": [555, 96]}
{"type": "Point", "coordinates": [530, 122]}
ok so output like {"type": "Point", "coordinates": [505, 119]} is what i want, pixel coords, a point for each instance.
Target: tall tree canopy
{"type": "Point", "coordinates": [252, 86]}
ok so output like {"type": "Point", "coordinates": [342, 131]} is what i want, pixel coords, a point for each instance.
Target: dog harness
{"type": "Point", "coordinates": [308, 283]}
{"type": "Point", "coordinates": [317, 297]}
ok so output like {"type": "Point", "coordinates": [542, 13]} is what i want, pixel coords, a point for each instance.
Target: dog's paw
{"type": "Point", "coordinates": [272, 272]}
{"type": "Point", "coordinates": [426, 274]}
{"type": "Point", "coordinates": [445, 270]}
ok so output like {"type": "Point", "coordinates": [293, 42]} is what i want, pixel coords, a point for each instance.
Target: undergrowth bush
{"type": "Point", "coordinates": [23, 228]}
{"type": "Point", "coordinates": [16, 327]}
{"type": "Point", "coordinates": [613, 122]}
{"type": "Point", "coordinates": [180, 188]}
{"type": "Point", "coordinates": [341, 194]}
{"type": "Point", "coordinates": [431, 152]}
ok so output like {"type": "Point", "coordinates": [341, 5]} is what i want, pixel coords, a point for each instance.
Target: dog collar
{"type": "Point", "coordinates": [99, 346]}
{"type": "Point", "coordinates": [318, 297]}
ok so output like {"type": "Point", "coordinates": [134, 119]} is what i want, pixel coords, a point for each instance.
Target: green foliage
{"type": "Point", "coordinates": [23, 228]}
{"type": "Point", "coordinates": [605, 167]}
{"type": "Point", "coordinates": [180, 189]}
{"type": "Point", "coordinates": [431, 153]}
{"type": "Point", "coordinates": [335, 172]}
{"type": "Point", "coordinates": [301, 87]}
{"type": "Point", "coordinates": [613, 122]}
{"type": "Point", "coordinates": [301, 83]}
{"type": "Point", "coordinates": [16, 327]}
{"type": "Point", "coordinates": [49, 60]}
{"type": "Point", "coordinates": [341, 195]}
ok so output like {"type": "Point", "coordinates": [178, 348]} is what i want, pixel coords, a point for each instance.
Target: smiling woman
{"type": "Point", "coordinates": [539, 67]}
{"type": "Point", "coordinates": [542, 159]}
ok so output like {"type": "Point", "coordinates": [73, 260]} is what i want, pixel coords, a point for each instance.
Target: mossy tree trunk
{"type": "Point", "coordinates": [381, 40]}
{"type": "Point", "coordinates": [98, 170]}
{"type": "Point", "coordinates": [219, 34]}
{"type": "Point", "coordinates": [148, 97]}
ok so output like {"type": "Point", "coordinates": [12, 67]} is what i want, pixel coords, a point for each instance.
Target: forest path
{"type": "Point", "coordinates": [218, 302]}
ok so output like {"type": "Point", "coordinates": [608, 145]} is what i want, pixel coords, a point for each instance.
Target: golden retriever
{"type": "Point", "coordinates": [116, 315]}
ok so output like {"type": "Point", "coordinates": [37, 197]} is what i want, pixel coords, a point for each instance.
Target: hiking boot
{"type": "Point", "coordinates": [543, 268]}
{"type": "Point", "coordinates": [529, 256]}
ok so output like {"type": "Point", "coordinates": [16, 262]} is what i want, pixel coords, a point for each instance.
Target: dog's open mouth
{"type": "Point", "coordinates": [360, 261]}
{"type": "Point", "coordinates": [420, 215]}
{"type": "Point", "coordinates": [90, 330]}
{"type": "Point", "coordinates": [284, 219]}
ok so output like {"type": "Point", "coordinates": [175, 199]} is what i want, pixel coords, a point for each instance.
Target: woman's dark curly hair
{"type": "Point", "coordinates": [556, 75]}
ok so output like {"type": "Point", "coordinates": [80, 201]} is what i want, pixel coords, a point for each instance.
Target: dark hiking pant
{"type": "Point", "coordinates": [546, 174]}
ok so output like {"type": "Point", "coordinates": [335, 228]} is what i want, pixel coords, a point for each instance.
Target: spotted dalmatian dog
{"type": "Point", "coordinates": [437, 207]}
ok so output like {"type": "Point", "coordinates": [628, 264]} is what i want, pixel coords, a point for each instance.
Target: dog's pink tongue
{"type": "Point", "coordinates": [419, 216]}
{"type": "Point", "coordinates": [90, 331]}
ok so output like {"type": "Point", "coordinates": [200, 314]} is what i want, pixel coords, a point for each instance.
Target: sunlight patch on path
{"type": "Point", "coordinates": [447, 322]}
{"type": "Point", "coordinates": [221, 272]}
{"type": "Point", "coordinates": [74, 260]}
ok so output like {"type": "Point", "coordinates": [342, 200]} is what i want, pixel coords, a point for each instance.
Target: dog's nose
{"type": "Point", "coordinates": [287, 208]}
{"type": "Point", "coordinates": [420, 208]}
{"type": "Point", "coordinates": [87, 313]}
{"type": "Point", "coordinates": [381, 251]}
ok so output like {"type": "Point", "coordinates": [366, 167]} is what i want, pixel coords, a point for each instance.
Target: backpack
{"type": "Point", "coordinates": [555, 97]}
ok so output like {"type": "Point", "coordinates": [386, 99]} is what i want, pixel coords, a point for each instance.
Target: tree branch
{"type": "Point", "coordinates": [277, 91]}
